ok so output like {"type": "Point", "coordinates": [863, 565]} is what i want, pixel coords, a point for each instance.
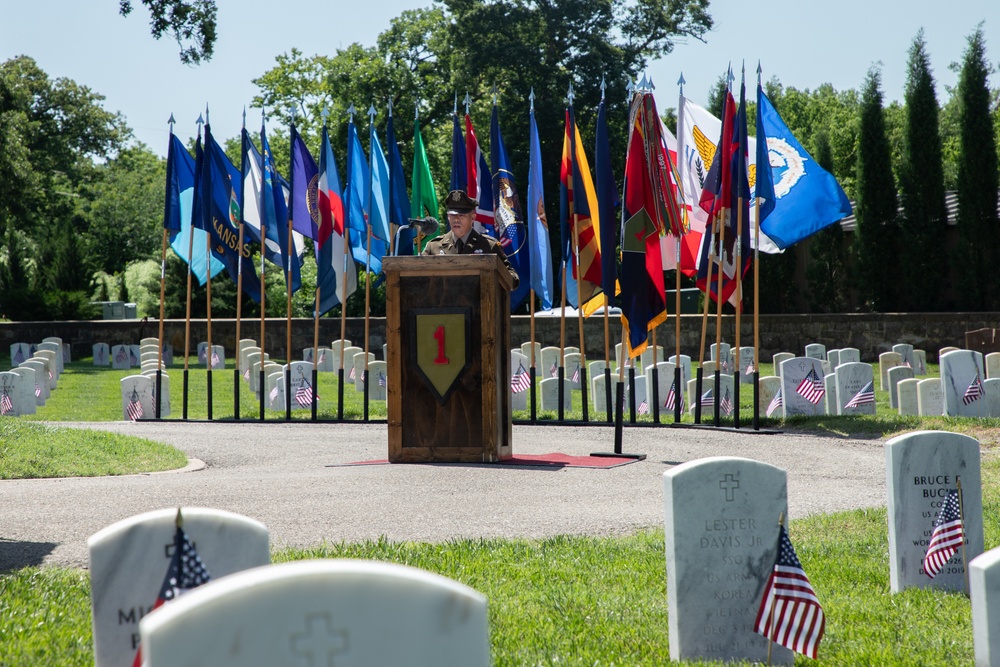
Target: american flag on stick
{"type": "Point", "coordinates": [811, 388]}
{"type": "Point", "coordinates": [576, 374]}
{"type": "Point", "coordinates": [38, 390]}
{"type": "Point", "coordinates": [643, 408]}
{"type": "Point", "coordinates": [974, 392]}
{"type": "Point", "coordinates": [381, 379]}
{"type": "Point", "coordinates": [554, 371]}
{"type": "Point", "coordinates": [134, 408]}
{"type": "Point", "coordinates": [864, 397]}
{"type": "Point", "coordinates": [304, 395]}
{"type": "Point", "coordinates": [351, 376]}
{"type": "Point", "coordinates": [726, 404]}
{"type": "Point", "coordinates": [520, 380]}
{"type": "Point", "coordinates": [707, 399]}
{"type": "Point", "coordinates": [790, 613]}
{"type": "Point", "coordinates": [122, 355]}
{"type": "Point", "coordinates": [672, 396]}
{"type": "Point", "coordinates": [18, 356]}
{"type": "Point", "coordinates": [246, 374]}
{"type": "Point", "coordinates": [273, 394]}
{"type": "Point", "coordinates": [215, 359]}
{"type": "Point", "coordinates": [6, 405]}
{"type": "Point", "coordinates": [775, 403]}
{"type": "Point", "coordinates": [947, 537]}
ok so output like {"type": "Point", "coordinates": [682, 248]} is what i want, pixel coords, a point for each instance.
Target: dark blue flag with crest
{"type": "Point", "coordinates": [508, 220]}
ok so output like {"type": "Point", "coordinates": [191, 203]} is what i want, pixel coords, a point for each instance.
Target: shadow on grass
{"type": "Point", "coordinates": [15, 555]}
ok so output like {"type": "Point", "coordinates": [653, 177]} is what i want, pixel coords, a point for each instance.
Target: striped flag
{"type": "Point", "coordinates": [864, 397]}
{"type": "Point", "coordinates": [520, 380]}
{"type": "Point", "coordinates": [18, 356]}
{"type": "Point", "coordinates": [381, 379]}
{"type": "Point", "coordinates": [707, 400]}
{"type": "Point", "coordinates": [947, 536]}
{"type": "Point", "coordinates": [554, 371]}
{"type": "Point", "coordinates": [304, 395]}
{"type": "Point", "coordinates": [576, 374]}
{"type": "Point", "coordinates": [974, 391]}
{"type": "Point", "coordinates": [811, 388]}
{"type": "Point", "coordinates": [38, 390]}
{"type": "Point", "coordinates": [351, 376]}
{"type": "Point", "coordinates": [122, 355]}
{"type": "Point", "coordinates": [246, 374]}
{"type": "Point", "coordinates": [6, 405]}
{"type": "Point", "coordinates": [726, 404]}
{"type": "Point", "coordinates": [215, 359]}
{"type": "Point", "coordinates": [790, 613]}
{"type": "Point", "coordinates": [643, 408]}
{"type": "Point", "coordinates": [672, 396]}
{"type": "Point", "coordinates": [274, 393]}
{"type": "Point", "coordinates": [132, 358]}
{"type": "Point", "coordinates": [134, 408]}
{"type": "Point", "coordinates": [750, 368]}
{"type": "Point", "coordinates": [775, 403]}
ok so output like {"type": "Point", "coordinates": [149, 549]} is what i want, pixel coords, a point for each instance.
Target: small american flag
{"type": "Point", "coordinates": [520, 380]}
{"type": "Point", "coordinates": [790, 613]}
{"type": "Point", "coordinates": [672, 396]}
{"type": "Point", "coordinates": [246, 374]}
{"type": "Point", "coordinates": [6, 405]}
{"type": "Point", "coordinates": [18, 356]}
{"type": "Point", "coordinates": [351, 376]}
{"type": "Point", "coordinates": [724, 366]}
{"type": "Point", "coordinates": [38, 390]}
{"type": "Point", "coordinates": [947, 536]}
{"type": "Point", "coordinates": [974, 391]}
{"type": "Point", "coordinates": [576, 374]}
{"type": "Point", "coordinates": [132, 357]}
{"type": "Point", "coordinates": [750, 368]}
{"type": "Point", "coordinates": [274, 393]}
{"type": "Point", "coordinates": [643, 408]}
{"type": "Point", "coordinates": [215, 359]}
{"type": "Point", "coordinates": [811, 388]}
{"type": "Point", "coordinates": [134, 408]}
{"type": "Point", "coordinates": [775, 403]}
{"type": "Point", "coordinates": [726, 404]}
{"type": "Point", "coordinates": [707, 400]}
{"type": "Point", "coordinates": [554, 371]}
{"type": "Point", "coordinates": [304, 395]}
{"type": "Point", "coordinates": [203, 354]}
{"type": "Point", "coordinates": [907, 364]}
{"type": "Point", "coordinates": [864, 397]}
{"type": "Point", "coordinates": [122, 356]}
{"type": "Point", "coordinates": [322, 357]}
{"type": "Point", "coordinates": [100, 354]}
{"type": "Point", "coordinates": [381, 379]}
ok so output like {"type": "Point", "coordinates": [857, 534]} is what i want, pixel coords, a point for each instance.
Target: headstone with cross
{"type": "Point", "coordinates": [722, 538]}
{"type": "Point", "coordinates": [318, 613]}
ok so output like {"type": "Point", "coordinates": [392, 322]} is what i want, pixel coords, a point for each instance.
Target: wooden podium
{"type": "Point", "coordinates": [448, 337]}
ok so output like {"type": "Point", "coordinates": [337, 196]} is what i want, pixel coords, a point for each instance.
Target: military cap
{"type": "Point", "coordinates": [460, 202]}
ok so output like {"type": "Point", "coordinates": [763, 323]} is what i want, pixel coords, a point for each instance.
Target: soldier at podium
{"type": "Point", "coordinates": [463, 239]}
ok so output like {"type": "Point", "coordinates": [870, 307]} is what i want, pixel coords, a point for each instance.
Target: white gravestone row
{"type": "Point", "coordinates": [129, 559]}
{"type": "Point", "coordinates": [921, 468]}
{"type": "Point", "coordinates": [719, 556]}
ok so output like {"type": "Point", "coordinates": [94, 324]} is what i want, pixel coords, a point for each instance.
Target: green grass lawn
{"type": "Point", "coordinates": [560, 601]}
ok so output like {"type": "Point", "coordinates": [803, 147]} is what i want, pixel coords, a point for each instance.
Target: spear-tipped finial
{"type": "Point", "coordinates": [179, 519]}
{"type": "Point", "coordinates": [629, 89]}
{"type": "Point", "coordinates": [652, 86]}
{"type": "Point", "coordinates": [729, 76]}
{"type": "Point", "coordinates": [454, 109]}
{"type": "Point", "coordinates": [467, 102]}
{"type": "Point", "coordinates": [643, 84]}
{"type": "Point", "coordinates": [494, 94]}
{"type": "Point", "coordinates": [200, 122]}
{"type": "Point", "coordinates": [390, 106]}
{"type": "Point", "coordinates": [758, 72]}
{"type": "Point", "coordinates": [244, 116]}
{"type": "Point", "coordinates": [325, 113]}
{"type": "Point", "coordinates": [416, 108]}
{"type": "Point", "coordinates": [171, 121]}
{"type": "Point", "coordinates": [207, 121]}
{"type": "Point", "coordinates": [372, 113]}
{"type": "Point", "coordinates": [531, 99]}
{"type": "Point", "coordinates": [681, 82]}
{"type": "Point", "coordinates": [350, 112]}
{"type": "Point", "coordinates": [291, 113]}
{"type": "Point", "coordinates": [570, 95]}
{"type": "Point", "coordinates": [603, 87]}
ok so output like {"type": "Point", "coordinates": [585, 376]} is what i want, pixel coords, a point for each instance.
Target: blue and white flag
{"type": "Point", "coordinates": [177, 212]}
{"type": "Point", "coordinates": [807, 197]}
{"type": "Point", "coordinates": [538, 227]}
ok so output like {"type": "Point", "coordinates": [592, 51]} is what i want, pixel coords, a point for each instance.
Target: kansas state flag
{"type": "Point", "coordinates": [807, 197]}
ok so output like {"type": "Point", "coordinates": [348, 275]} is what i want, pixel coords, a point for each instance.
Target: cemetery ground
{"type": "Point", "coordinates": [571, 561]}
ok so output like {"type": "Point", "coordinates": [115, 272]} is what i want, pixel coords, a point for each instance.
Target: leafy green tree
{"type": "Point", "coordinates": [827, 273]}
{"type": "Point", "coordinates": [877, 229]}
{"type": "Point", "coordinates": [192, 23]}
{"type": "Point", "coordinates": [922, 188]}
{"type": "Point", "coordinates": [977, 183]}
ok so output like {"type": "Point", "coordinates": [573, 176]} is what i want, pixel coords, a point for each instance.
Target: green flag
{"type": "Point", "coordinates": [423, 198]}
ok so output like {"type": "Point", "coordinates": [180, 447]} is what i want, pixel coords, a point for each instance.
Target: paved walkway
{"type": "Point", "coordinates": [285, 476]}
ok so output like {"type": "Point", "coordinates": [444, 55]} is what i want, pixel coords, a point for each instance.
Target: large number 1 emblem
{"type": "Point", "coordinates": [441, 347]}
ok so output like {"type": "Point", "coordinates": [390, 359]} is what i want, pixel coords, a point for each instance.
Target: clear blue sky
{"type": "Point", "coordinates": [804, 44]}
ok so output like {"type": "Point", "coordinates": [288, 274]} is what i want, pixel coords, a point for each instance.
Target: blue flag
{"type": "Point", "coordinates": [357, 214]}
{"type": "Point", "coordinates": [399, 201]}
{"type": "Point", "coordinates": [538, 233]}
{"type": "Point", "coordinates": [305, 188]}
{"type": "Point", "coordinates": [378, 213]}
{"type": "Point", "coordinates": [764, 189]}
{"type": "Point", "coordinates": [508, 220]}
{"type": "Point", "coordinates": [607, 202]}
{"type": "Point", "coordinates": [807, 197]}
{"type": "Point", "coordinates": [336, 277]}
{"type": "Point", "coordinates": [219, 207]}
{"type": "Point", "coordinates": [459, 175]}
{"type": "Point", "coordinates": [177, 212]}
{"type": "Point", "coordinates": [274, 209]}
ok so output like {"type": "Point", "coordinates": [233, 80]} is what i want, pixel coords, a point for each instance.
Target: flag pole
{"type": "Point", "coordinates": [607, 319]}
{"type": "Point", "coordinates": [288, 279]}
{"type": "Point", "coordinates": [678, 375]}
{"type": "Point", "coordinates": [315, 371]}
{"type": "Point", "coordinates": [187, 315]}
{"type": "Point", "coordinates": [562, 336]}
{"type": "Point", "coordinates": [371, 185]}
{"type": "Point", "coordinates": [739, 256]}
{"type": "Point", "coordinates": [163, 276]}
{"type": "Point", "coordinates": [392, 235]}
{"type": "Point", "coordinates": [756, 294]}
{"type": "Point", "coordinates": [239, 280]}
{"type": "Point", "coordinates": [208, 281]}
{"type": "Point", "coordinates": [532, 370]}
{"type": "Point", "coordinates": [961, 517]}
{"type": "Point", "coordinates": [261, 385]}
{"type": "Point", "coordinates": [343, 302]}
{"type": "Point", "coordinates": [699, 375]}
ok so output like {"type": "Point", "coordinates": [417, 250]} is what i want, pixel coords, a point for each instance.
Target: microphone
{"type": "Point", "coordinates": [428, 226]}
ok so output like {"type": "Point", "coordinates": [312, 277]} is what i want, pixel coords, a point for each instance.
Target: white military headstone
{"type": "Point", "coordinates": [920, 362]}
{"type": "Point", "coordinates": [574, 371]}
{"type": "Point", "coordinates": [830, 385]}
{"type": "Point", "coordinates": [137, 398]}
{"type": "Point", "coordinates": [984, 591]}
{"type": "Point", "coordinates": [816, 351]}
{"type": "Point", "coordinates": [722, 537]}
{"type": "Point", "coordinates": [723, 356]}
{"type": "Point", "coordinates": [548, 366]}
{"type": "Point", "coordinates": [129, 559]}
{"type": "Point", "coordinates": [101, 354]}
{"type": "Point", "coordinates": [930, 398]}
{"type": "Point", "coordinates": [770, 385]}
{"type": "Point", "coordinates": [887, 360]}
{"type": "Point", "coordinates": [324, 361]}
{"type": "Point", "coordinates": [960, 371]}
{"type": "Point", "coordinates": [253, 364]}
{"type": "Point", "coordinates": [945, 350]}
{"type": "Point", "coordinates": [379, 374]}
{"type": "Point", "coordinates": [217, 358]}
{"type": "Point", "coordinates": [893, 376]}
{"type": "Point", "coordinates": [203, 352]}
{"type": "Point", "coordinates": [40, 390]}
{"type": "Point", "coordinates": [991, 389]}
{"type": "Point", "coordinates": [685, 365]}
{"type": "Point", "coordinates": [336, 347]}
{"type": "Point", "coordinates": [921, 468]}
{"type": "Point", "coordinates": [649, 353]}
{"type": "Point", "coordinates": [833, 356]}
{"type": "Point", "coordinates": [10, 394]}
{"type": "Point", "coordinates": [43, 376]}
{"type": "Point", "coordinates": [51, 365]}
{"type": "Point", "coordinates": [245, 352]}
{"type": "Point", "coordinates": [526, 350]}
{"type": "Point", "coordinates": [319, 613]}
{"type": "Point", "coordinates": [598, 395]}
{"type": "Point", "coordinates": [121, 359]}
{"type": "Point", "coordinates": [133, 351]}
{"type": "Point", "coordinates": [349, 353]}
{"type": "Point", "coordinates": [55, 345]}
{"type": "Point", "coordinates": [639, 392]}
{"type": "Point", "coordinates": [570, 349]}
{"type": "Point", "coordinates": [274, 385]}
{"type": "Point", "coordinates": [906, 397]}
{"type": "Point", "coordinates": [302, 389]}
{"type": "Point", "coordinates": [800, 397]}
{"type": "Point", "coordinates": [850, 355]}
{"type": "Point", "coordinates": [359, 369]}
{"type": "Point", "coordinates": [149, 340]}
{"type": "Point", "coordinates": [905, 352]}
{"type": "Point", "coordinates": [778, 359]}
{"type": "Point", "coordinates": [549, 390]}
{"type": "Point", "coordinates": [852, 378]}
{"type": "Point", "coordinates": [664, 377]}
{"type": "Point", "coordinates": [19, 353]}
{"type": "Point", "coordinates": [747, 365]}
{"type": "Point", "coordinates": [595, 368]}
{"type": "Point", "coordinates": [24, 388]}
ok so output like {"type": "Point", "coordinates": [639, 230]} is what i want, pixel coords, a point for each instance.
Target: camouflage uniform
{"type": "Point", "coordinates": [477, 244]}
